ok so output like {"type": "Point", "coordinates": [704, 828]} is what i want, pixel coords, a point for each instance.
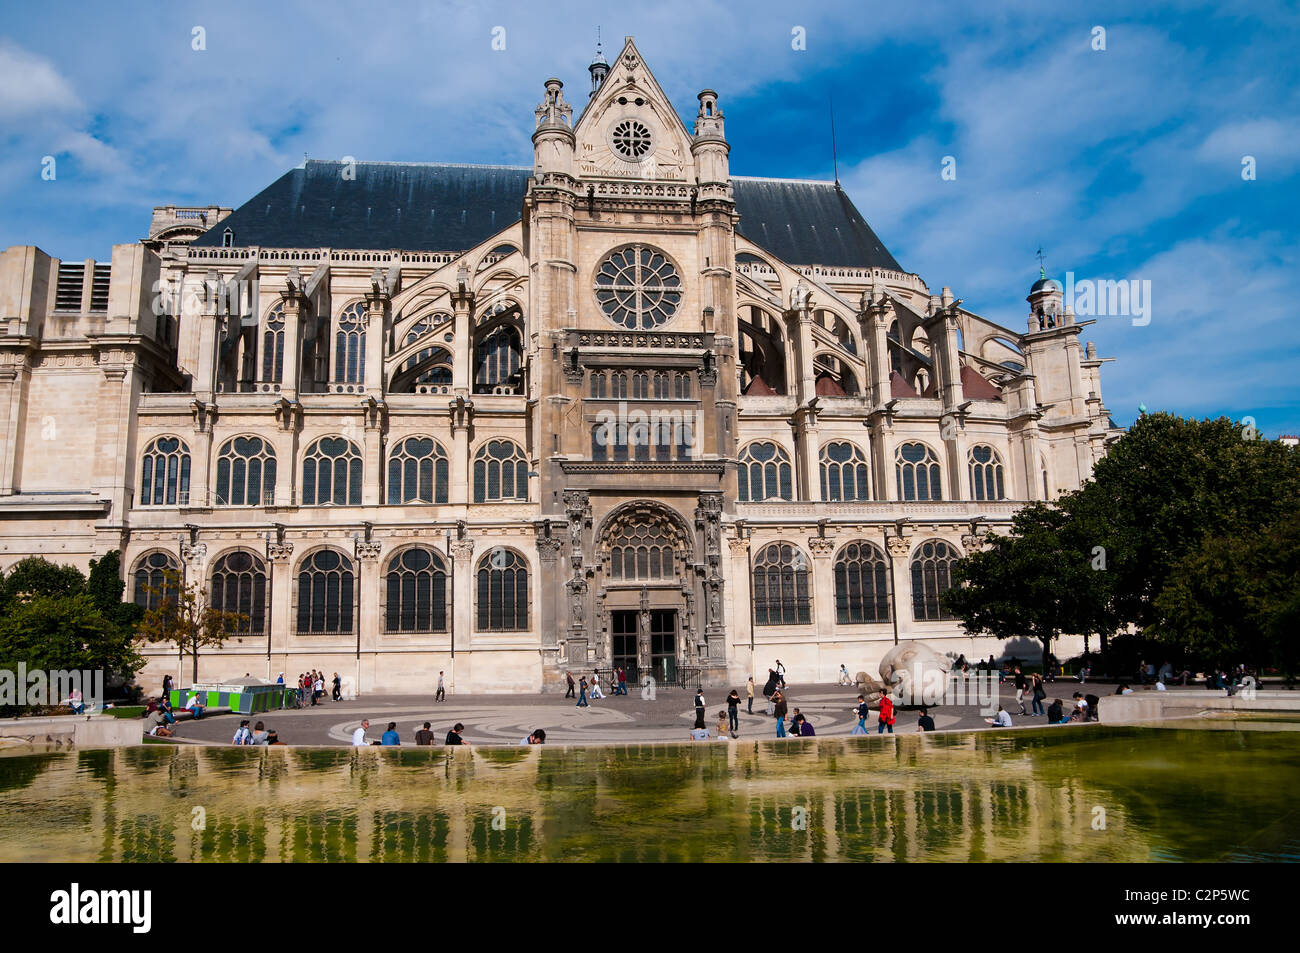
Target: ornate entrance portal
{"type": "Point", "coordinates": [656, 654]}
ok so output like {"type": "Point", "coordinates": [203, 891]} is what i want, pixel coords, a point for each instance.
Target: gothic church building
{"type": "Point", "coordinates": [616, 407]}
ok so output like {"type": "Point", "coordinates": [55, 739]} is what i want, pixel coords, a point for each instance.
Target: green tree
{"type": "Point", "coordinates": [181, 615]}
{"type": "Point", "coordinates": [1037, 582]}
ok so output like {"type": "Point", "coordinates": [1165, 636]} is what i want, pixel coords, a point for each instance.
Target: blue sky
{"type": "Point", "coordinates": [1124, 163]}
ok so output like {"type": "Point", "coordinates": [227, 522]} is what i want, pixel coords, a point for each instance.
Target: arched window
{"type": "Point", "coordinates": [151, 585]}
{"type": "Point", "coordinates": [417, 472]}
{"type": "Point", "coordinates": [782, 590]}
{"type": "Point", "coordinates": [331, 473]}
{"type": "Point", "coordinates": [931, 578]}
{"type": "Point", "coordinates": [497, 362]}
{"type": "Point", "coordinates": [502, 592]}
{"type": "Point", "coordinates": [273, 346]}
{"type": "Point", "coordinates": [500, 472]}
{"type": "Point", "coordinates": [641, 550]}
{"type": "Point", "coordinates": [416, 597]}
{"type": "Point", "coordinates": [844, 473]}
{"type": "Point", "coordinates": [439, 373]}
{"type": "Point", "coordinates": [640, 386]}
{"type": "Point", "coordinates": [165, 475]}
{"type": "Point", "coordinates": [682, 386]}
{"type": "Point", "coordinates": [764, 474]}
{"type": "Point", "coordinates": [918, 473]}
{"type": "Point", "coordinates": [326, 593]}
{"type": "Point", "coordinates": [661, 386]}
{"type": "Point", "coordinates": [246, 473]}
{"type": "Point", "coordinates": [239, 585]}
{"type": "Point", "coordinates": [986, 474]}
{"type": "Point", "coordinates": [618, 385]}
{"type": "Point", "coordinates": [598, 384]}
{"type": "Point", "coordinates": [861, 585]}
{"type": "Point", "coordinates": [350, 345]}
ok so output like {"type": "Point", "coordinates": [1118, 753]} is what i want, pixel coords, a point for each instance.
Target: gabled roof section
{"type": "Point", "coordinates": [409, 206]}
{"type": "Point", "coordinates": [807, 223]}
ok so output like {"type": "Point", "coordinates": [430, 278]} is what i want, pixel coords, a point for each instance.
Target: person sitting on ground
{"type": "Point", "coordinates": [1160, 686]}
{"type": "Point", "coordinates": [723, 730]}
{"type": "Point", "coordinates": [424, 736]}
{"type": "Point", "coordinates": [1001, 720]}
{"type": "Point", "coordinates": [359, 736]}
{"type": "Point", "coordinates": [259, 734]}
{"type": "Point", "coordinates": [1056, 713]}
{"type": "Point", "coordinates": [390, 737]}
{"type": "Point", "coordinates": [925, 722]}
{"type": "Point", "coordinates": [805, 728]}
{"type": "Point", "coordinates": [453, 736]}
{"type": "Point", "coordinates": [1123, 689]}
{"type": "Point", "coordinates": [538, 737]}
{"type": "Point", "coordinates": [1080, 712]}
{"type": "Point", "coordinates": [272, 738]}
{"type": "Point", "coordinates": [699, 734]}
{"type": "Point", "coordinates": [155, 724]}
{"type": "Point", "coordinates": [243, 735]}
{"type": "Point", "coordinates": [75, 702]}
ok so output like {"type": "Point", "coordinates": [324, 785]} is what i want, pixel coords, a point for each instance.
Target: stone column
{"type": "Point", "coordinates": [808, 448]}
{"type": "Point", "coordinates": [823, 585]}
{"type": "Point", "coordinates": [462, 302]}
{"type": "Point", "coordinates": [283, 621]}
{"type": "Point", "coordinates": [377, 302]}
{"type": "Point", "coordinates": [740, 623]}
{"type": "Point", "coordinates": [462, 626]}
{"type": "Point", "coordinates": [205, 416]}
{"type": "Point", "coordinates": [375, 420]}
{"type": "Point", "coordinates": [368, 598]}
{"type": "Point", "coordinates": [462, 416]}
{"type": "Point", "coordinates": [899, 548]}
{"type": "Point", "coordinates": [294, 303]}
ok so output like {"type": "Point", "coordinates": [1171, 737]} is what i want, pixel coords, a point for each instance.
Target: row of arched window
{"type": "Point", "coordinates": [782, 584]}
{"type": "Point", "coordinates": [414, 590]}
{"type": "Point", "coordinates": [765, 473]}
{"type": "Point", "coordinates": [332, 472]}
{"type": "Point", "coordinates": [661, 385]}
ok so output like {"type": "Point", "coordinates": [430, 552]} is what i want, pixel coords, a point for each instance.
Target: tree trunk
{"type": "Point", "coordinates": [195, 653]}
{"type": "Point", "coordinates": [1047, 645]}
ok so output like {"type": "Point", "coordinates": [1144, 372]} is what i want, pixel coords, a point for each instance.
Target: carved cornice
{"type": "Point", "coordinates": [279, 552]}
{"type": "Point", "coordinates": [462, 548]}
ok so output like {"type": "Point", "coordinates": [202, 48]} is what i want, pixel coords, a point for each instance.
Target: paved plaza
{"type": "Point", "coordinates": [615, 719]}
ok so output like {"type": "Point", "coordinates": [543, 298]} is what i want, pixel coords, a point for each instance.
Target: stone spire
{"type": "Point", "coordinates": [599, 68]}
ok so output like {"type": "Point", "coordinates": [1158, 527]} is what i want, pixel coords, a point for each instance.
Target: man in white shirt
{"type": "Point", "coordinates": [359, 736]}
{"type": "Point", "coordinates": [1000, 720]}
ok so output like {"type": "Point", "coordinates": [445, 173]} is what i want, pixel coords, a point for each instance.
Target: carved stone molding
{"type": "Point", "coordinates": [821, 546]}
{"type": "Point", "coordinates": [368, 551]}
{"type": "Point", "coordinates": [973, 543]}
{"type": "Point", "coordinates": [738, 547]}
{"type": "Point", "coordinates": [899, 547]}
{"type": "Point", "coordinates": [462, 548]}
{"type": "Point", "coordinates": [194, 553]}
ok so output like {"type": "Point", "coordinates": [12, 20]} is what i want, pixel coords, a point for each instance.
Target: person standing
{"type": "Point", "coordinates": [1039, 692]}
{"type": "Point", "coordinates": [167, 685]}
{"type": "Point", "coordinates": [862, 710]}
{"type": "Point", "coordinates": [733, 711]}
{"type": "Point", "coordinates": [886, 721]}
{"type": "Point", "coordinates": [424, 736]}
{"type": "Point", "coordinates": [338, 687]}
{"type": "Point", "coordinates": [622, 681]}
{"type": "Point", "coordinates": [699, 708]}
{"type": "Point", "coordinates": [568, 677]}
{"type": "Point", "coordinates": [359, 736]}
{"type": "Point", "coordinates": [749, 693]}
{"type": "Point", "coordinates": [441, 694]}
{"type": "Point", "coordinates": [1021, 684]}
{"type": "Point", "coordinates": [390, 737]}
{"type": "Point", "coordinates": [780, 673]}
{"type": "Point", "coordinates": [582, 693]}
{"type": "Point", "coordinates": [595, 686]}
{"type": "Point", "coordinates": [779, 708]}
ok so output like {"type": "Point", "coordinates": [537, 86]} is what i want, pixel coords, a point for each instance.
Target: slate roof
{"type": "Point", "coordinates": [419, 206]}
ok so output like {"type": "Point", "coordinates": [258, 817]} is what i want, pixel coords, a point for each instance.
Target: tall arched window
{"type": "Point", "coordinates": [986, 474]}
{"type": "Point", "coordinates": [682, 386]}
{"type": "Point", "coordinates": [416, 597]}
{"type": "Point", "coordinates": [151, 585]}
{"type": "Point", "coordinates": [782, 588]}
{"type": "Point", "coordinates": [497, 360]}
{"type": "Point", "coordinates": [331, 473]}
{"type": "Point", "coordinates": [417, 472]}
{"type": "Point", "coordinates": [918, 473]}
{"type": "Point", "coordinates": [438, 373]}
{"type": "Point", "coordinates": [502, 592]}
{"type": "Point", "coordinates": [931, 578]}
{"type": "Point", "coordinates": [500, 472]}
{"type": "Point", "coordinates": [246, 473]}
{"type": "Point", "coordinates": [350, 345]}
{"type": "Point", "coordinates": [764, 474]}
{"type": "Point", "coordinates": [640, 386]}
{"type": "Point", "coordinates": [326, 593]}
{"type": "Point", "coordinates": [844, 473]}
{"type": "Point", "coordinates": [618, 385]}
{"type": "Point", "coordinates": [641, 550]}
{"type": "Point", "coordinates": [165, 473]}
{"type": "Point", "coordinates": [273, 346]}
{"type": "Point", "coordinates": [598, 384]}
{"type": "Point", "coordinates": [861, 585]}
{"type": "Point", "coordinates": [239, 585]}
{"type": "Point", "coordinates": [661, 386]}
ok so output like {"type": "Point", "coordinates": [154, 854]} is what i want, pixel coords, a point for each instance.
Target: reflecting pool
{"type": "Point", "coordinates": [1091, 793]}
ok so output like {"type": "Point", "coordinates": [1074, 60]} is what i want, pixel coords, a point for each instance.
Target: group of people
{"type": "Point", "coordinates": [588, 690]}
{"type": "Point", "coordinates": [160, 717]}
{"type": "Point", "coordinates": [311, 686]}
{"type": "Point", "coordinates": [424, 736]}
{"type": "Point", "coordinates": [257, 735]}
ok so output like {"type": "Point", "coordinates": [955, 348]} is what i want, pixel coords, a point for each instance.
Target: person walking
{"type": "Point", "coordinates": [1039, 692]}
{"type": "Point", "coordinates": [780, 673]}
{"type": "Point", "coordinates": [595, 686]}
{"type": "Point", "coordinates": [167, 685]}
{"type": "Point", "coordinates": [582, 693]}
{"type": "Point", "coordinates": [1021, 685]}
{"type": "Point", "coordinates": [886, 721]}
{"type": "Point", "coordinates": [844, 675]}
{"type": "Point", "coordinates": [622, 681]}
{"type": "Point", "coordinates": [749, 693]}
{"type": "Point", "coordinates": [568, 677]}
{"type": "Point", "coordinates": [441, 694]}
{"type": "Point", "coordinates": [862, 710]}
{"type": "Point", "coordinates": [699, 708]}
{"type": "Point", "coordinates": [778, 710]}
{"type": "Point", "coordinates": [337, 694]}
{"type": "Point", "coordinates": [733, 711]}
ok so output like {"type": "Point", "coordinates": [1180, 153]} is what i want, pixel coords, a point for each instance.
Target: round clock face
{"type": "Point", "coordinates": [638, 288]}
{"type": "Point", "coordinates": [631, 139]}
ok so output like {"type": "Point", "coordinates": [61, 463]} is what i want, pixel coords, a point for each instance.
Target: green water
{"type": "Point", "coordinates": [1095, 793]}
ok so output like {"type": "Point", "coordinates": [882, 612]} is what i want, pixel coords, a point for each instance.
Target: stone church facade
{"type": "Point", "coordinates": [617, 407]}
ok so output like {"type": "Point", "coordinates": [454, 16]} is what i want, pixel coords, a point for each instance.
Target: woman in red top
{"type": "Point", "coordinates": [886, 715]}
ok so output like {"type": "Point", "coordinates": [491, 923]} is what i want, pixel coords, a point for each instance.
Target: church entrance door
{"type": "Point", "coordinates": [663, 644]}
